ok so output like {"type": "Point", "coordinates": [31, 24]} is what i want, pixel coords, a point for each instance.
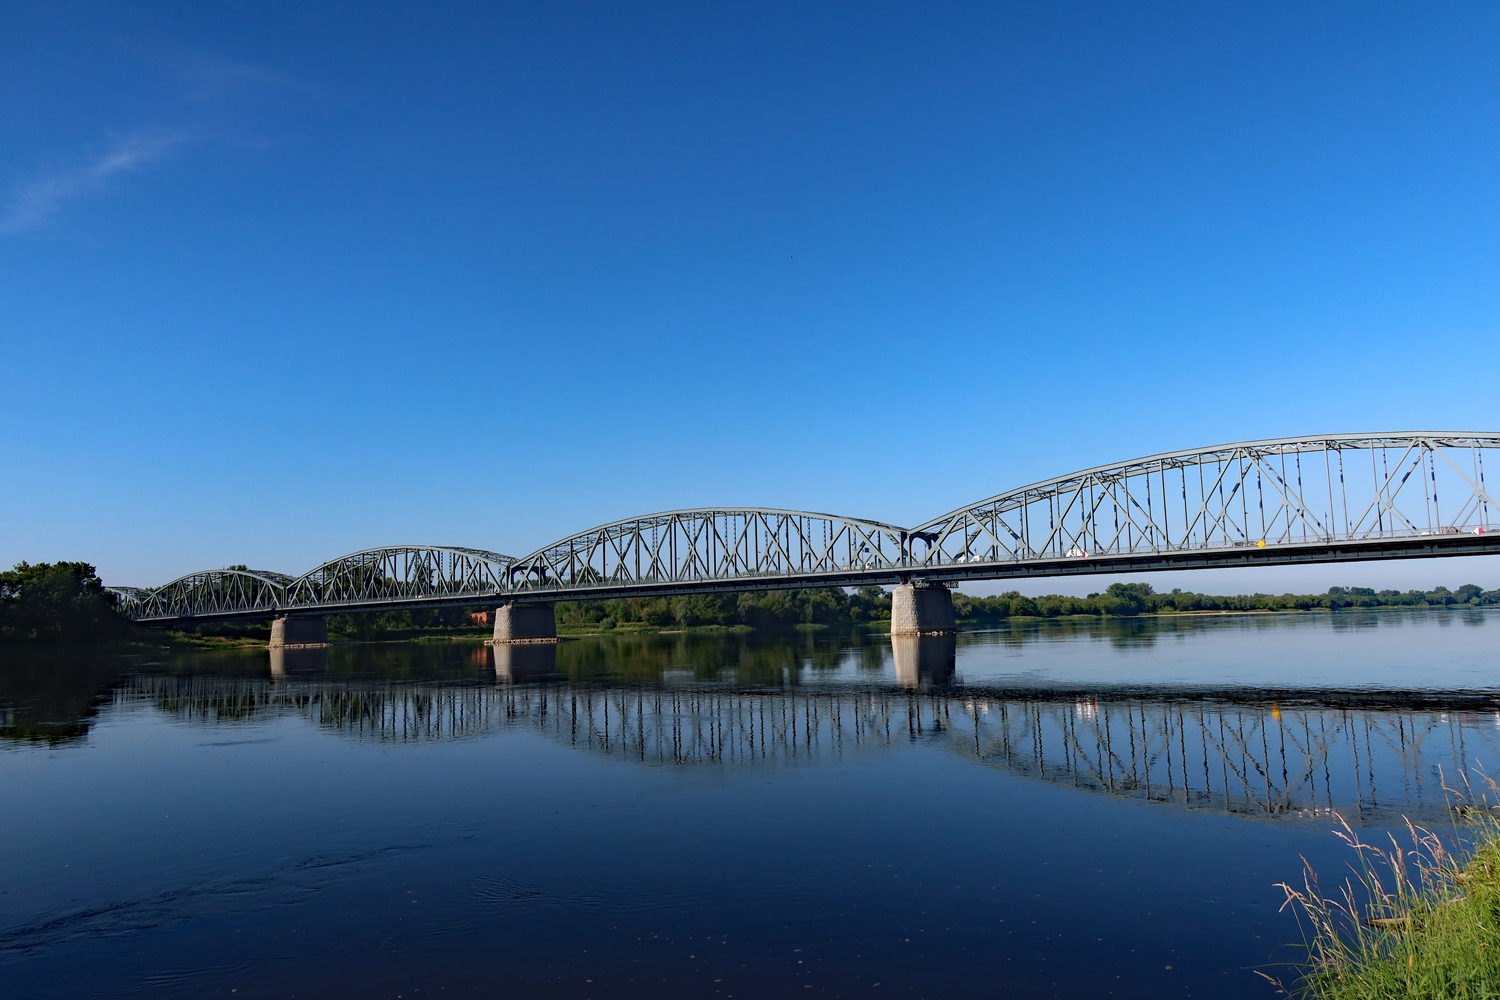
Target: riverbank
{"type": "Point", "coordinates": [1417, 921]}
{"type": "Point", "coordinates": [642, 628]}
{"type": "Point", "coordinates": [191, 640]}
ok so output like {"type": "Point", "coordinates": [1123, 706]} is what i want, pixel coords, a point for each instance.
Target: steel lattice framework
{"type": "Point", "coordinates": [401, 574]}
{"type": "Point", "coordinates": [130, 599]}
{"type": "Point", "coordinates": [215, 593]}
{"type": "Point", "coordinates": [1291, 500]}
{"type": "Point", "coordinates": [1288, 492]}
{"type": "Point", "coordinates": [708, 546]}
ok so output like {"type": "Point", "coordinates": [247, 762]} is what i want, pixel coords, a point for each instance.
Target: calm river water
{"type": "Point", "coordinates": [1053, 809]}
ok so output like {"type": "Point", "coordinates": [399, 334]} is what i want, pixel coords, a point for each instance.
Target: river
{"type": "Point", "coordinates": [1063, 808]}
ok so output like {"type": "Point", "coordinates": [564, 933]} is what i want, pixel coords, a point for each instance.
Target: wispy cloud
{"type": "Point", "coordinates": [34, 201]}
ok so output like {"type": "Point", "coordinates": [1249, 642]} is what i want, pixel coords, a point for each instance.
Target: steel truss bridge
{"type": "Point", "coordinates": [1333, 498]}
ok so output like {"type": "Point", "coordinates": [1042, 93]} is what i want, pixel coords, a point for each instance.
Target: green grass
{"type": "Point", "coordinates": [192, 640]}
{"type": "Point", "coordinates": [1414, 919]}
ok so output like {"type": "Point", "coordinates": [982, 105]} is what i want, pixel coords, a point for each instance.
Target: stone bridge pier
{"type": "Point", "coordinates": [922, 608]}
{"type": "Point", "coordinates": [517, 622]}
{"type": "Point", "coordinates": [288, 632]}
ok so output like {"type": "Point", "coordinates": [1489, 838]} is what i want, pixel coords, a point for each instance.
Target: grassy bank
{"type": "Point", "coordinates": [1416, 919]}
{"type": "Point", "coordinates": [197, 640]}
{"type": "Point", "coordinates": [642, 628]}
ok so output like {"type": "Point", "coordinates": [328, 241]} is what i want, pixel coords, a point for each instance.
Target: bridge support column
{"type": "Point", "coordinates": [922, 609]}
{"type": "Point", "coordinates": [525, 623]}
{"type": "Point", "coordinates": [289, 632]}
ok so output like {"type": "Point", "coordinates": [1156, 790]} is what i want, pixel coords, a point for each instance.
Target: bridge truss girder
{"type": "Point", "coordinates": [400, 574]}
{"type": "Point", "coordinates": [706, 547]}
{"type": "Point", "coordinates": [1332, 498]}
{"type": "Point", "coordinates": [1309, 492]}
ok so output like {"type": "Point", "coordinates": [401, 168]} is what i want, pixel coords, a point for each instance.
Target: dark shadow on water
{"type": "Point", "coordinates": [54, 696]}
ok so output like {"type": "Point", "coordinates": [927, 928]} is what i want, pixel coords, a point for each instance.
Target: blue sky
{"type": "Point", "coordinates": [283, 281]}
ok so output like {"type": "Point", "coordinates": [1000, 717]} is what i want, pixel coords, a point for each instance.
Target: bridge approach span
{"type": "Point", "coordinates": [1330, 498]}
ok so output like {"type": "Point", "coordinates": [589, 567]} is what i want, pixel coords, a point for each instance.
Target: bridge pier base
{"type": "Point", "coordinates": [919, 609]}
{"type": "Point", "coordinates": [525, 623]}
{"type": "Point", "coordinates": [291, 633]}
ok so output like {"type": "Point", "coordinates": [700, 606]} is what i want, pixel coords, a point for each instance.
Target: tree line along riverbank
{"type": "Point", "coordinates": [65, 603]}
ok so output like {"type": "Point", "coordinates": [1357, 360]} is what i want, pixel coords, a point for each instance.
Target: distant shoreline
{"type": "Point", "coordinates": [188, 642]}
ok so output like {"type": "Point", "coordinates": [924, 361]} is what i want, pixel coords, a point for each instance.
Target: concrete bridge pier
{"type": "Point", "coordinates": [525, 623]}
{"type": "Point", "coordinates": [925, 659]}
{"type": "Point", "coordinates": [922, 608]}
{"type": "Point", "coordinates": [290, 633]}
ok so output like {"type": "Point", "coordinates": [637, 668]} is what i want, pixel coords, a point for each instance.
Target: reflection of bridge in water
{"type": "Point", "coordinates": [1237, 753]}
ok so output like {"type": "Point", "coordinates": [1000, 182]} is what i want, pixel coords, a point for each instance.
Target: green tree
{"type": "Point", "coordinates": [57, 602]}
{"type": "Point", "coordinates": [697, 609]}
{"type": "Point", "coordinates": [1021, 605]}
{"type": "Point", "coordinates": [1125, 600]}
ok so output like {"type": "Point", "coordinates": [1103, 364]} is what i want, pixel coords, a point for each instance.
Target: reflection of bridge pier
{"type": "Point", "coordinates": [526, 661]}
{"type": "Point", "coordinates": [924, 658]}
{"type": "Point", "coordinates": [299, 661]}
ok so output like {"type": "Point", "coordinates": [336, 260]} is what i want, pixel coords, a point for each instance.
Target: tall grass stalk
{"type": "Point", "coordinates": [1415, 919]}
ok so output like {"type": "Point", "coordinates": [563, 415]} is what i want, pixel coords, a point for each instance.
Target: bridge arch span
{"type": "Point", "coordinates": [129, 599]}
{"type": "Point", "coordinates": [396, 573]}
{"type": "Point", "coordinates": [214, 592]}
{"type": "Point", "coordinates": [711, 545]}
{"type": "Point", "coordinates": [1319, 491]}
